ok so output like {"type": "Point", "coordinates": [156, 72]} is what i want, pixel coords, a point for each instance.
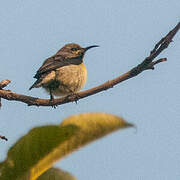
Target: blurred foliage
{"type": "Point", "coordinates": [37, 151]}
{"type": "Point", "coordinates": [56, 174]}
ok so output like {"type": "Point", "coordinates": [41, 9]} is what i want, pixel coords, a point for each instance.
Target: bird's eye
{"type": "Point", "coordinates": [74, 49]}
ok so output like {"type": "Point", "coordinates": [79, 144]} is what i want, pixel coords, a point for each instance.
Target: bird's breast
{"type": "Point", "coordinates": [71, 78]}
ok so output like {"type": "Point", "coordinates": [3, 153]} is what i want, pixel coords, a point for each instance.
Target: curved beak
{"type": "Point", "coordinates": [89, 47]}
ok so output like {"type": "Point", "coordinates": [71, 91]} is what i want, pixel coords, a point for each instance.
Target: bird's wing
{"type": "Point", "coordinates": [55, 62]}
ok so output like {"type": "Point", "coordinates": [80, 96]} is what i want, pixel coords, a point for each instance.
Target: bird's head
{"type": "Point", "coordinates": [74, 50]}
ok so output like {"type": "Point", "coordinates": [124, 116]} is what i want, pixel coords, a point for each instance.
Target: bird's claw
{"type": "Point", "coordinates": [54, 106]}
{"type": "Point", "coordinates": [73, 97]}
{"type": "Point", "coordinates": [52, 101]}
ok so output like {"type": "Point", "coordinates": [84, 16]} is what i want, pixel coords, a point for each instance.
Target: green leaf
{"type": "Point", "coordinates": [37, 151]}
{"type": "Point", "coordinates": [56, 174]}
{"type": "Point", "coordinates": [91, 127]}
{"type": "Point", "coordinates": [31, 149]}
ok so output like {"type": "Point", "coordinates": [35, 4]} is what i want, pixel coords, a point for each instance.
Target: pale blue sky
{"type": "Point", "coordinates": [126, 30]}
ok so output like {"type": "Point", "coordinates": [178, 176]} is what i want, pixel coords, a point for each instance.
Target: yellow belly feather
{"type": "Point", "coordinates": [71, 79]}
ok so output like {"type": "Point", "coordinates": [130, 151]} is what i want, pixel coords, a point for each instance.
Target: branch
{"type": "Point", "coordinates": [4, 83]}
{"type": "Point", "coordinates": [4, 138]}
{"type": "Point", "coordinates": [146, 64]}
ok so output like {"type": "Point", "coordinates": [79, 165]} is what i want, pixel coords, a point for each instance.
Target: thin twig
{"type": "Point", "coordinates": [152, 64]}
{"type": "Point", "coordinates": [146, 64]}
{"type": "Point", "coordinates": [4, 83]}
{"type": "Point", "coordinates": [4, 138]}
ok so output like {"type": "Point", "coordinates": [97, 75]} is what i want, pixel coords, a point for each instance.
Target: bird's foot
{"type": "Point", "coordinates": [52, 101]}
{"type": "Point", "coordinates": [73, 97]}
{"type": "Point", "coordinates": [54, 106]}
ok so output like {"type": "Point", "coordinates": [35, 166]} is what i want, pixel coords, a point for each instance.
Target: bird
{"type": "Point", "coordinates": [64, 73]}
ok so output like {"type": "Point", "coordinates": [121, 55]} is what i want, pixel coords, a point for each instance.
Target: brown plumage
{"type": "Point", "coordinates": [64, 73]}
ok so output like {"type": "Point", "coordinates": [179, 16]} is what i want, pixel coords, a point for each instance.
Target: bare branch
{"type": "Point", "coordinates": [151, 65]}
{"type": "Point", "coordinates": [4, 138]}
{"type": "Point", "coordinates": [146, 64]}
{"type": "Point", "coordinates": [4, 83]}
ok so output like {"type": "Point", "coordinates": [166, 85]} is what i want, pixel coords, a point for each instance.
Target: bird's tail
{"type": "Point", "coordinates": [36, 84]}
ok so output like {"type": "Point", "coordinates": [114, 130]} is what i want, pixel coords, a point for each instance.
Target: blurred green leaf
{"type": "Point", "coordinates": [31, 149]}
{"type": "Point", "coordinates": [37, 151]}
{"type": "Point", "coordinates": [56, 174]}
